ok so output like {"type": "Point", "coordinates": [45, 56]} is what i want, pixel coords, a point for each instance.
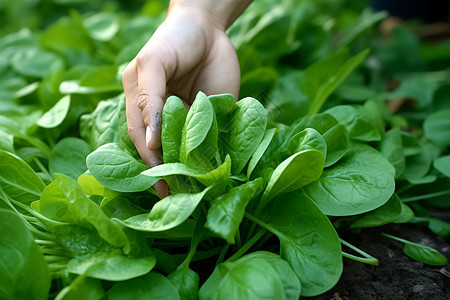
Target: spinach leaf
{"type": "Point", "coordinates": [6, 141]}
{"type": "Point", "coordinates": [82, 287]}
{"type": "Point", "coordinates": [112, 266]}
{"type": "Point", "coordinates": [151, 286]}
{"type": "Point", "coordinates": [114, 167]}
{"type": "Point", "coordinates": [123, 127]}
{"type": "Point", "coordinates": [246, 129]}
{"type": "Point", "coordinates": [18, 179]}
{"type": "Point", "coordinates": [227, 211]}
{"type": "Point", "coordinates": [259, 152]}
{"type": "Point", "coordinates": [338, 144]}
{"type": "Point", "coordinates": [173, 118]}
{"type": "Point", "coordinates": [55, 115]}
{"type": "Point", "coordinates": [306, 139]}
{"type": "Point", "coordinates": [69, 157]}
{"type": "Point", "coordinates": [442, 164]}
{"type": "Point", "coordinates": [406, 214]}
{"type": "Point", "coordinates": [391, 147]}
{"type": "Point", "coordinates": [361, 182]}
{"type": "Point", "coordinates": [24, 273]}
{"type": "Point", "coordinates": [64, 200]}
{"type": "Point", "coordinates": [197, 125]}
{"type": "Point", "coordinates": [186, 281]}
{"type": "Point", "coordinates": [388, 212]}
{"type": "Point", "coordinates": [296, 171]}
{"type": "Point", "coordinates": [166, 214]}
{"type": "Point", "coordinates": [254, 276]}
{"type": "Point", "coordinates": [223, 104]}
{"type": "Point", "coordinates": [437, 128]}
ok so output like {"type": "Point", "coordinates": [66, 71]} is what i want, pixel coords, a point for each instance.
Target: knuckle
{"type": "Point", "coordinates": [143, 99]}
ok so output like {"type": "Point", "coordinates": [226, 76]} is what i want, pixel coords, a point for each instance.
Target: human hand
{"type": "Point", "coordinates": [189, 52]}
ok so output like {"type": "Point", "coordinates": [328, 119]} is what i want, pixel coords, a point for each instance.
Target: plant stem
{"type": "Point", "coordinates": [426, 196]}
{"type": "Point", "coordinates": [238, 239]}
{"type": "Point", "coordinates": [367, 259]}
{"type": "Point", "coordinates": [247, 245]}
{"type": "Point", "coordinates": [42, 168]}
{"type": "Point", "coordinates": [395, 238]}
{"type": "Point", "coordinates": [200, 255]}
{"type": "Point", "coordinates": [222, 254]}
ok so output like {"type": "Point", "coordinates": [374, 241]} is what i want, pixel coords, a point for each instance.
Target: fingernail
{"type": "Point", "coordinates": [148, 136]}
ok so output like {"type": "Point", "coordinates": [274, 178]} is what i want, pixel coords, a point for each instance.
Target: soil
{"type": "Point", "coordinates": [397, 276]}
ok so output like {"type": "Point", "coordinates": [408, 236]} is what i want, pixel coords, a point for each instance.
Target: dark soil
{"type": "Point", "coordinates": [397, 276]}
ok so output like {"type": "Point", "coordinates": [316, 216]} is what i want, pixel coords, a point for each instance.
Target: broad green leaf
{"type": "Point", "coordinates": [439, 227]}
{"type": "Point", "coordinates": [388, 212]}
{"type": "Point", "coordinates": [217, 176]}
{"type": "Point", "coordinates": [114, 167]}
{"type": "Point", "coordinates": [308, 241]}
{"type": "Point", "coordinates": [227, 211]}
{"type": "Point", "coordinates": [259, 152]}
{"type": "Point", "coordinates": [251, 277]}
{"type": "Point", "coordinates": [82, 288]}
{"type": "Point", "coordinates": [64, 200]}
{"type": "Point", "coordinates": [437, 128]}
{"type": "Point", "coordinates": [442, 164]}
{"type": "Point", "coordinates": [322, 122]}
{"type": "Point", "coordinates": [338, 144]}
{"type": "Point", "coordinates": [6, 141]}
{"type": "Point", "coordinates": [406, 215]}
{"type": "Point", "coordinates": [111, 266]}
{"type": "Point", "coordinates": [18, 180]}
{"type": "Point", "coordinates": [246, 128]}
{"type": "Point", "coordinates": [24, 273]}
{"type": "Point", "coordinates": [36, 62]}
{"type": "Point", "coordinates": [223, 103]}
{"type": "Point", "coordinates": [167, 213]}
{"type": "Point", "coordinates": [102, 26]}
{"type": "Point", "coordinates": [123, 127]}
{"type": "Point", "coordinates": [357, 122]}
{"type": "Point", "coordinates": [392, 149]}
{"type": "Point", "coordinates": [307, 139]}
{"type": "Point", "coordinates": [296, 171]}
{"type": "Point", "coordinates": [198, 122]}
{"type": "Point", "coordinates": [69, 157]}
{"type": "Point", "coordinates": [150, 286]}
{"type": "Point", "coordinates": [173, 118]}
{"type": "Point", "coordinates": [418, 165]}
{"type": "Point", "coordinates": [361, 182]}
{"type": "Point", "coordinates": [92, 187]}
{"type": "Point", "coordinates": [55, 115]}
{"type": "Point", "coordinates": [186, 281]}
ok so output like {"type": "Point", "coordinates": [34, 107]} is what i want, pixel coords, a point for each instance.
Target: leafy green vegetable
{"type": "Point", "coordinates": [173, 118]}
{"type": "Point", "coordinates": [69, 157]}
{"type": "Point", "coordinates": [56, 115]}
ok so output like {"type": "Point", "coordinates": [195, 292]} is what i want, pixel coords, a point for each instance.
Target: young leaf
{"type": "Point", "coordinates": [306, 139]}
{"type": "Point", "coordinates": [388, 212]}
{"type": "Point", "coordinates": [186, 281]}
{"type": "Point", "coordinates": [55, 115]}
{"type": "Point", "coordinates": [391, 147]}
{"type": "Point", "coordinates": [173, 118]}
{"type": "Point", "coordinates": [115, 168]}
{"type": "Point", "coordinates": [296, 171]}
{"type": "Point", "coordinates": [82, 288]}
{"type": "Point", "coordinates": [259, 152]}
{"type": "Point", "coordinates": [24, 273]}
{"type": "Point", "coordinates": [227, 211]}
{"type": "Point", "coordinates": [151, 286]}
{"type": "Point", "coordinates": [69, 157]}
{"type": "Point", "coordinates": [361, 182]}
{"type": "Point", "coordinates": [246, 129]}
{"type": "Point", "coordinates": [253, 276]}
{"type": "Point", "coordinates": [437, 127]}
{"type": "Point", "coordinates": [442, 164]}
{"type": "Point", "coordinates": [223, 104]}
{"type": "Point", "coordinates": [18, 179]}
{"type": "Point", "coordinates": [308, 241]}
{"type": "Point", "coordinates": [111, 266]}
{"type": "Point", "coordinates": [338, 144]}
{"type": "Point", "coordinates": [167, 213]}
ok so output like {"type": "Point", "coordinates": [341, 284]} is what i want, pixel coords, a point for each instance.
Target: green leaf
{"type": "Point", "coordinates": [111, 266]}
{"type": "Point", "coordinates": [24, 273]}
{"type": "Point", "coordinates": [246, 128]}
{"type": "Point", "coordinates": [55, 115]}
{"type": "Point", "coordinates": [391, 147]}
{"type": "Point", "coordinates": [186, 281]}
{"type": "Point", "coordinates": [198, 122]}
{"type": "Point", "coordinates": [150, 286]}
{"type": "Point", "coordinates": [64, 200]}
{"type": "Point", "coordinates": [82, 288]}
{"type": "Point", "coordinates": [442, 164]}
{"type": "Point", "coordinates": [307, 139]}
{"type": "Point", "coordinates": [102, 26]}
{"type": "Point", "coordinates": [227, 211]}
{"type": "Point", "coordinates": [406, 215]}
{"type": "Point", "coordinates": [69, 157]}
{"type": "Point", "coordinates": [259, 275]}
{"type": "Point", "coordinates": [338, 144]}
{"type": "Point", "coordinates": [223, 104]}
{"type": "Point", "coordinates": [217, 176]}
{"type": "Point", "coordinates": [18, 180]}
{"type": "Point", "coordinates": [388, 212]}
{"type": "Point", "coordinates": [173, 119]}
{"type": "Point", "coordinates": [166, 214]}
{"type": "Point", "coordinates": [437, 127]}
{"type": "Point", "coordinates": [36, 62]}
{"type": "Point", "coordinates": [123, 127]}
{"type": "Point", "coordinates": [361, 182]}
{"type": "Point", "coordinates": [115, 168]}
{"type": "Point", "coordinates": [308, 241]}
{"type": "Point", "coordinates": [6, 141]}
{"type": "Point", "coordinates": [259, 152]}
{"type": "Point", "coordinates": [439, 227]}
{"type": "Point", "coordinates": [296, 171]}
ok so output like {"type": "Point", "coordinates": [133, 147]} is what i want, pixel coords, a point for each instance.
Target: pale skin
{"type": "Point", "coordinates": [189, 52]}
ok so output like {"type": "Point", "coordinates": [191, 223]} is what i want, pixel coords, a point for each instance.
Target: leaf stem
{"type": "Point", "coordinates": [248, 245]}
{"type": "Point", "coordinates": [222, 254]}
{"type": "Point", "coordinates": [426, 196]}
{"type": "Point", "coordinates": [43, 169]}
{"type": "Point", "coordinates": [367, 259]}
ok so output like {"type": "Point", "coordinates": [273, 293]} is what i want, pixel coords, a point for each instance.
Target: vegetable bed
{"type": "Point", "coordinates": [328, 178]}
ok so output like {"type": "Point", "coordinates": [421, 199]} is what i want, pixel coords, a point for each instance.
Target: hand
{"type": "Point", "coordinates": [189, 52]}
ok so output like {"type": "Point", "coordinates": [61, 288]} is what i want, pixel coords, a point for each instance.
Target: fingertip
{"type": "Point", "coordinates": [162, 188]}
